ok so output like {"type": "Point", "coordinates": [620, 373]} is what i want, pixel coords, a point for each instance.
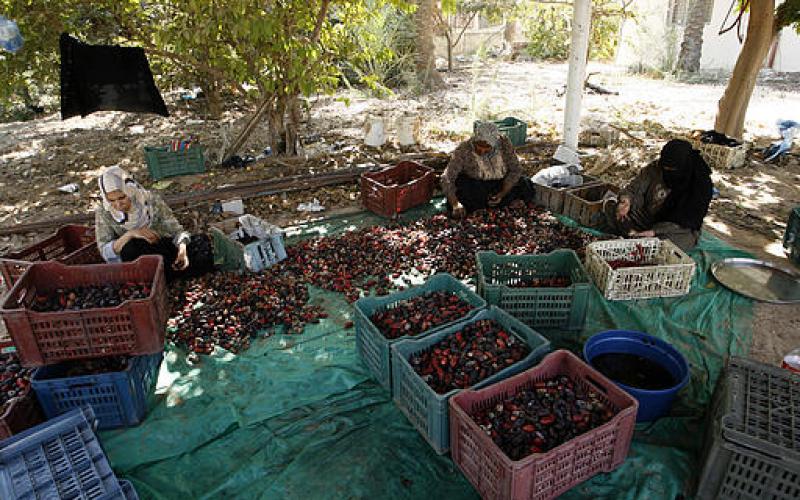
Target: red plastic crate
{"type": "Point", "coordinates": [396, 189]}
{"type": "Point", "coordinates": [540, 475]}
{"type": "Point", "coordinates": [134, 327]}
{"type": "Point", "coordinates": [71, 245]}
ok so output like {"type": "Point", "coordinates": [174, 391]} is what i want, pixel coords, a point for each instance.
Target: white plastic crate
{"type": "Point", "coordinates": [671, 275]}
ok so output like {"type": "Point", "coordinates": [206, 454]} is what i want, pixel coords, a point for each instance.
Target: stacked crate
{"type": "Point", "coordinates": [48, 339]}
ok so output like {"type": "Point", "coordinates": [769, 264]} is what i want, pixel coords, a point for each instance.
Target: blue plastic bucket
{"type": "Point", "coordinates": [652, 404]}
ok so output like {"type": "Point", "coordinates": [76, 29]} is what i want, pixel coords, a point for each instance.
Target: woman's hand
{"type": "Point", "coordinates": [623, 208]}
{"type": "Point", "coordinates": [495, 200]}
{"type": "Point", "coordinates": [144, 233]}
{"type": "Point", "coordinates": [181, 260]}
{"type": "Point", "coordinates": [642, 234]}
{"type": "Point", "coordinates": [458, 210]}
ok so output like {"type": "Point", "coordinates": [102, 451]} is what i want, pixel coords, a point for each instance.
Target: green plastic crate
{"type": "Point", "coordinates": [562, 308]}
{"type": "Point", "coordinates": [791, 239]}
{"type": "Point", "coordinates": [228, 254]}
{"type": "Point", "coordinates": [162, 162]}
{"type": "Point", "coordinates": [427, 410]}
{"type": "Point", "coordinates": [375, 349]}
{"type": "Point", "coordinates": [515, 129]}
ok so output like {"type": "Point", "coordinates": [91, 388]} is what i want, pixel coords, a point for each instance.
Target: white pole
{"type": "Point", "coordinates": [581, 20]}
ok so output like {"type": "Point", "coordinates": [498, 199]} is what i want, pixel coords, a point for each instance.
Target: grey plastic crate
{"type": "Point", "coordinates": [752, 448]}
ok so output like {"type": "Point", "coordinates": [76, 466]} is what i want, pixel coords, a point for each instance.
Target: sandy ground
{"type": "Point", "coordinates": [36, 157]}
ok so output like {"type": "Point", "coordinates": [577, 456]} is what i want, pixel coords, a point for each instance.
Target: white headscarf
{"type": "Point", "coordinates": [141, 212]}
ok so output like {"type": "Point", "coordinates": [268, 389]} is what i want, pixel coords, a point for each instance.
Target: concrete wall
{"type": "Point", "coordinates": [651, 40]}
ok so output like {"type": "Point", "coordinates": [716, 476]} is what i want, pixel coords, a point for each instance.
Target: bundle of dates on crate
{"type": "Point", "coordinates": [637, 259]}
{"type": "Point", "coordinates": [89, 297]}
{"type": "Point", "coordinates": [472, 354]}
{"type": "Point", "coordinates": [419, 314]}
{"type": "Point", "coordinates": [554, 282]}
{"type": "Point", "coordinates": [543, 417]}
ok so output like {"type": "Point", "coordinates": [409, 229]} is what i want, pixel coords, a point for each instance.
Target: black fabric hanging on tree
{"type": "Point", "coordinates": [106, 78]}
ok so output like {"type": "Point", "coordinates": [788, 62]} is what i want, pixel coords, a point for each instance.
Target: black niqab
{"type": "Point", "coordinates": [688, 177]}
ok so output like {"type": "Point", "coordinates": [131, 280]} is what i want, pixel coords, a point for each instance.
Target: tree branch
{"type": "Point", "coordinates": [323, 11]}
{"type": "Point", "coordinates": [464, 29]}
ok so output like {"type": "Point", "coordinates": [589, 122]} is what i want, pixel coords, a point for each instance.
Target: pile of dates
{"type": "Point", "coordinates": [542, 417]}
{"type": "Point", "coordinates": [418, 314]}
{"type": "Point", "coordinates": [89, 297]}
{"type": "Point", "coordinates": [470, 355]}
{"type": "Point", "coordinates": [374, 259]}
{"type": "Point", "coordinates": [229, 309]}
{"type": "Point", "coordinates": [15, 380]}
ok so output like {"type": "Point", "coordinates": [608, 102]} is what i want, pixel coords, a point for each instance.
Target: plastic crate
{"type": "Point", "coordinates": [562, 307]}
{"type": "Point", "coordinates": [552, 198]}
{"type": "Point", "coordinates": [584, 205]}
{"type": "Point", "coordinates": [71, 245]}
{"type": "Point", "coordinates": [60, 458]}
{"type": "Point", "coordinates": [721, 157]}
{"type": "Point", "coordinates": [540, 475]}
{"type": "Point", "coordinates": [131, 328]}
{"type": "Point", "coordinates": [396, 189]}
{"type": "Point", "coordinates": [162, 162]}
{"type": "Point", "coordinates": [752, 447]}
{"type": "Point", "coordinates": [230, 255]}
{"type": "Point", "coordinates": [119, 399]}
{"type": "Point", "coordinates": [598, 138]}
{"type": "Point", "coordinates": [515, 129]}
{"type": "Point", "coordinates": [791, 238]}
{"type": "Point", "coordinates": [426, 409]}
{"type": "Point", "coordinates": [375, 349]}
{"type": "Point", "coordinates": [670, 277]}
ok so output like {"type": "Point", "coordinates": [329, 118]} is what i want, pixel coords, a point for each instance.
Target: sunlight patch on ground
{"type": "Point", "coordinates": [775, 248]}
{"type": "Point", "coordinates": [718, 226]}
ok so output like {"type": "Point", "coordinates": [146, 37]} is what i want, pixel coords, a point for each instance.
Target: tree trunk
{"type": "Point", "coordinates": [734, 102]}
{"type": "Point", "coordinates": [213, 99]}
{"type": "Point", "coordinates": [449, 50]}
{"type": "Point", "coordinates": [427, 76]}
{"type": "Point", "coordinates": [692, 45]}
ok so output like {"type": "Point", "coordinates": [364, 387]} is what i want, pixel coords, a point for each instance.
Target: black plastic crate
{"type": "Point", "coordinates": [752, 448]}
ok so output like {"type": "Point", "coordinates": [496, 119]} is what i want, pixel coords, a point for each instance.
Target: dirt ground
{"type": "Point", "coordinates": [36, 157]}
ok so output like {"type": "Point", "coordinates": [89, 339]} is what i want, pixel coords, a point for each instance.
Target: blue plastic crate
{"type": "Point", "coordinates": [119, 399]}
{"type": "Point", "coordinates": [61, 458]}
{"type": "Point", "coordinates": [374, 348]}
{"type": "Point", "coordinates": [427, 410]}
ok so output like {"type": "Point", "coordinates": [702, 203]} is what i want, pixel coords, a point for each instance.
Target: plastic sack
{"type": "Point", "coordinates": [559, 176]}
{"type": "Point", "coordinates": [787, 129]}
{"type": "Point", "coordinates": [10, 37]}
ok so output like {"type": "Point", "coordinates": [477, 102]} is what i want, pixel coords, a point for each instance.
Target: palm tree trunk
{"type": "Point", "coordinates": [734, 102]}
{"type": "Point", "coordinates": [692, 45]}
{"type": "Point", "coordinates": [427, 75]}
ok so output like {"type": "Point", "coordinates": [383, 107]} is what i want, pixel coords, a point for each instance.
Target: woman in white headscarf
{"type": "Point", "coordinates": [484, 172]}
{"type": "Point", "coordinates": [132, 221]}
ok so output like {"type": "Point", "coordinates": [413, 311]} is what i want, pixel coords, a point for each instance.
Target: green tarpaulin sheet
{"type": "Point", "coordinates": [298, 417]}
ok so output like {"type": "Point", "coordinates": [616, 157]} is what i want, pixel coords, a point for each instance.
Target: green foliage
{"type": "Point", "coordinates": [384, 58]}
{"type": "Point", "coordinates": [548, 29]}
{"type": "Point", "coordinates": [788, 14]}
{"type": "Point", "coordinates": [217, 44]}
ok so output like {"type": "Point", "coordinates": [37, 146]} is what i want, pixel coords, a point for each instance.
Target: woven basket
{"type": "Point", "coordinates": [721, 157]}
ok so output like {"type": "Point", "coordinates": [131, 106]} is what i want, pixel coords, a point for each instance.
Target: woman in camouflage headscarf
{"type": "Point", "coordinates": [484, 172]}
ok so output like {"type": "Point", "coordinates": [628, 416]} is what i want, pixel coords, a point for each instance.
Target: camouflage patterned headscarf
{"type": "Point", "coordinates": [489, 133]}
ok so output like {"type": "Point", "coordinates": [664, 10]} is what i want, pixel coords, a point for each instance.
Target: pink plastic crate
{"type": "Point", "coordinates": [540, 475]}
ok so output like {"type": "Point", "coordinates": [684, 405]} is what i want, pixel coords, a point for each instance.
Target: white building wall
{"type": "Point", "coordinates": [650, 40]}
